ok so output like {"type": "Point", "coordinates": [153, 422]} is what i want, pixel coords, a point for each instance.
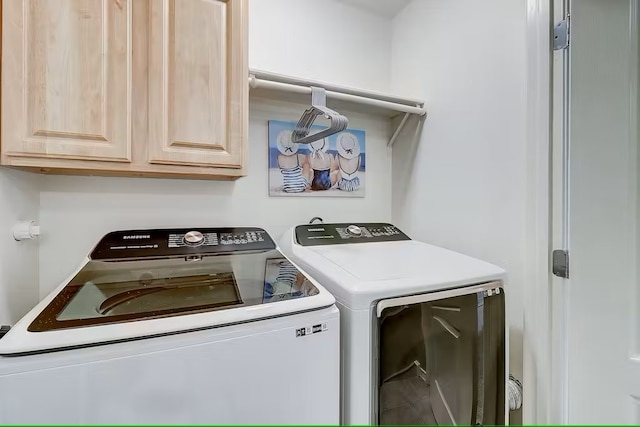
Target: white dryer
{"type": "Point", "coordinates": [212, 326]}
{"type": "Point", "coordinates": [423, 328]}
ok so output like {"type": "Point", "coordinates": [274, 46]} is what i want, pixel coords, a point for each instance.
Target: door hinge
{"type": "Point", "coordinates": [561, 263]}
{"type": "Point", "coordinates": [561, 34]}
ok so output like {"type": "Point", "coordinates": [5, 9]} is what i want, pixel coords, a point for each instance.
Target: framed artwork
{"type": "Point", "coordinates": [330, 167]}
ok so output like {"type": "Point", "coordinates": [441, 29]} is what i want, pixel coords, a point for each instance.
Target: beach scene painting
{"type": "Point", "coordinates": [330, 167]}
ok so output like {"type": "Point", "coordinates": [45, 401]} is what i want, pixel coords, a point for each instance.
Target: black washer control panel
{"type": "Point", "coordinates": [336, 234]}
{"type": "Point", "coordinates": [178, 242]}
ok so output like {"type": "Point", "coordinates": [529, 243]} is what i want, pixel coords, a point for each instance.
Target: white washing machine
{"type": "Point", "coordinates": [211, 326]}
{"type": "Point", "coordinates": [423, 328]}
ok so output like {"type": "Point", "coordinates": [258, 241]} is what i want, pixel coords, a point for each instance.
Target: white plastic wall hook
{"type": "Point", "coordinates": [26, 230]}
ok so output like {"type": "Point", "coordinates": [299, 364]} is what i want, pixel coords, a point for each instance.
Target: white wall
{"type": "Point", "coordinates": [463, 184]}
{"type": "Point", "coordinates": [321, 40]}
{"type": "Point", "coordinates": [19, 201]}
{"type": "Point", "coordinates": [76, 211]}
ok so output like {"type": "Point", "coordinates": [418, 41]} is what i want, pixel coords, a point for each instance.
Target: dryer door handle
{"type": "Point", "coordinates": [433, 296]}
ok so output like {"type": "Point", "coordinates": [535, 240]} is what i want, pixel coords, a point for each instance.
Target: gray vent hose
{"type": "Point", "coordinates": [514, 388]}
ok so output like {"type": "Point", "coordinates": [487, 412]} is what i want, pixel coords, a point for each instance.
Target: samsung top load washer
{"type": "Point", "coordinates": [177, 326]}
{"type": "Point", "coordinates": [423, 328]}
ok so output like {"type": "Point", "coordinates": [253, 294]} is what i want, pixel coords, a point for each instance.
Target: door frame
{"type": "Point", "coordinates": [544, 351]}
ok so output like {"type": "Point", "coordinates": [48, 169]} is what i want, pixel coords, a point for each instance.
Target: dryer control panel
{"type": "Point", "coordinates": [178, 242]}
{"type": "Point", "coordinates": [336, 234]}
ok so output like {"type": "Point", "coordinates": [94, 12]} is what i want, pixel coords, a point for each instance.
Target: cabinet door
{"type": "Point", "coordinates": [198, 90]}
{"type": "Point", "coordinates": [66, 87]}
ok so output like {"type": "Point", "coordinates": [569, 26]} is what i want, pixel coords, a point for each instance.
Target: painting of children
{"type": "Point", "coordinates": [333, 166]}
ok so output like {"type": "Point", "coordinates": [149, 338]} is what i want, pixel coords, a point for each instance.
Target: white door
{"type": "Point", "coordinates": [599, 334]}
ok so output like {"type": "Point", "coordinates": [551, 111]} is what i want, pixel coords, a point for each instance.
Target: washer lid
{"type": "Point", "coordinates": [406, 261]}
{"type": "Point", "coordinates": [361, 270]}
{"type": "Point", "coordinates": [137, 297]}
{"type": "Point", "coordinates": [115, 292]}
{"type": "Point", "coordinates": [389, 261]}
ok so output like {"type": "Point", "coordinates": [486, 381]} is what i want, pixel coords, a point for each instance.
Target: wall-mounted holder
{"type": "Point", "coordinates": [278, 86]}
{"type": "Point", "coordinates": [26, 230]}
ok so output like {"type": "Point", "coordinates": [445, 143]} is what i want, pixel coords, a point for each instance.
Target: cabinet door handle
{"type": "Point", "coordinates": [118, 3]}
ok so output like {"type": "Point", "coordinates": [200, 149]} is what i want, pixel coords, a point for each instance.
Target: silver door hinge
{"type": "Point", "coordinates": [561, 34]}
{"type": "Point", "coordinates": [561, 263]}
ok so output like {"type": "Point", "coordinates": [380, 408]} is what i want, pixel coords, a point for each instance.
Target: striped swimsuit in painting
{"type": "Point", "coordinates": [292, 179]}
{"type": "Point", "coordinates": [348, 181]}
{"type": "Point", "coordinates": [346, 184]}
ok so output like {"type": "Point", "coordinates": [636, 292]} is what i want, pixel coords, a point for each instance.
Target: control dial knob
{"type": "Point", "coordinates": [193, 238]}
{"type": "Point", "coordinates": [354, 230]}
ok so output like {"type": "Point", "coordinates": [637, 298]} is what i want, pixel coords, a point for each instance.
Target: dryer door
{"type": "Point", "coordinates": [442, 357]}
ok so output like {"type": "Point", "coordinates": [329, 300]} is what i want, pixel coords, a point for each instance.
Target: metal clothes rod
{"type": "Point", "coordinates": [306, 90]}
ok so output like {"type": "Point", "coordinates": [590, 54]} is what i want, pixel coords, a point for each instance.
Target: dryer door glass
{"type": "Point", "coordinates": [441, 361]}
